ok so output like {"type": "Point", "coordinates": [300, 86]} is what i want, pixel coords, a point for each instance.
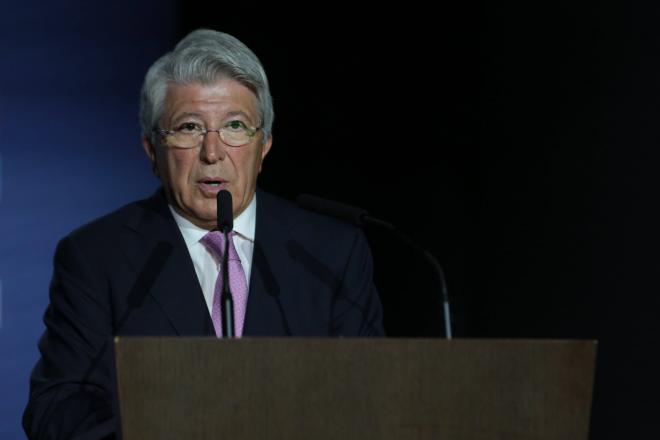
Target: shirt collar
{"type": "Point", "coordinates": [244, 224]}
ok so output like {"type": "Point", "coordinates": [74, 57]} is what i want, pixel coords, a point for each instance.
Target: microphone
{"type": "Point", "coordinates": [225, 211]}
{"type": "Point", "coordinates": [225, 225]}
{"type": "Point", "coordinates": [348, 213]}
{"type": "Point", "coordinates": [360, 217]}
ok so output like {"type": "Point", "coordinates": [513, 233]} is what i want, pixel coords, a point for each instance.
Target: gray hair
{"type": "Point", "coordinates": [204, 56]}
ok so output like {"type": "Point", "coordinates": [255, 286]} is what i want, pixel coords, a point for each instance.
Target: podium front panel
{"type": "Point", "coordinates": [352, 388]}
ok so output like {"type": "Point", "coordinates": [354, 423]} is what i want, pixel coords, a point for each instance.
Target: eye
{"type": "Point", "coordinates": [235, 126]}
{"type": "Point", "coordinates": [189, 127]}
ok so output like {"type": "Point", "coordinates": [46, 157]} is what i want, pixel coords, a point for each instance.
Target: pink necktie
{"type": "Point", "coordinates": [215, 242]}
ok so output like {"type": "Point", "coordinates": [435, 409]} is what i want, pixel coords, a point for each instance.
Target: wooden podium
{"type": "Point", "coordinates": [297, 388]}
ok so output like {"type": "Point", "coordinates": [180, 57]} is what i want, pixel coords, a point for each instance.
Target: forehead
{"type": "Point", "coordinates": [221, 97]}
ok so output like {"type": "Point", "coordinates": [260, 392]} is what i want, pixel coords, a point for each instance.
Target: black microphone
{"type": "Point", "coordinates": [225, 225]}
{"type": "Point", "coordinates": [348, 213]}
{"type": "Point", "coordinates": [225, 211]}
{"type": "Point", "coordinates": [360, 217]}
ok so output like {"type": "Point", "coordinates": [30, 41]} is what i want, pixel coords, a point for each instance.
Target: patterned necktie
{"type": "Point", "coordinates": [215, 242]}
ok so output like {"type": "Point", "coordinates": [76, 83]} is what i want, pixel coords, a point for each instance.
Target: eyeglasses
{"type": "Point", "coordinates": [191, 135]}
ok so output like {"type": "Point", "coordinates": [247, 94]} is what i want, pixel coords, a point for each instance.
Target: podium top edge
{"type": "Point", "coordinates": [386, 340]}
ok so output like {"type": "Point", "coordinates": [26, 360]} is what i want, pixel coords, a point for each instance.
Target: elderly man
{"type": "Point", "coordinates": [153, 267]}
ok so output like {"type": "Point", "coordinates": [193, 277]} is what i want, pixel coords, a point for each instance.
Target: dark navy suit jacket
{"type": "Point", "coordinates": [130, 273]}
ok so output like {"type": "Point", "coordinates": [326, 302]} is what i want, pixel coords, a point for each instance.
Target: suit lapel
{"type": "Point", "coordinates": [153, 243]}
{"type": "Point", "coordinates": [266, 313]}
{"type": "Point", "coordinates": [151, 235]}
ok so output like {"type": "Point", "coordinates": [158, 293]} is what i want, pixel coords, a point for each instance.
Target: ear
{"type": "Point", "coordinates": [151, 154]}
{"type": "Point", "coordinates": [265, 149]}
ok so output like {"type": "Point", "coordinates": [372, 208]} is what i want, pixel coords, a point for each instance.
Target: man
{"type": "Point", "coordinates": [152, 267]}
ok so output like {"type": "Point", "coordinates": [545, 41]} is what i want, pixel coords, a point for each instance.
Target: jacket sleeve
{"type": "Point", "coordinates": [71, 387]}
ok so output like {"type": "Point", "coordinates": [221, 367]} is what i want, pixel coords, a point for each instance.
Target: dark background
{"type": "Point", "coordinates": [516, 142]}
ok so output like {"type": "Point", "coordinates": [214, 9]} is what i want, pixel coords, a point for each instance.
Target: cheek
{"type": "Point", "coordinates": [256, 165]}
{"type": "Point", "coordinates": [249, 168]}
{"type": "Point", "coordinates": [180, 163]}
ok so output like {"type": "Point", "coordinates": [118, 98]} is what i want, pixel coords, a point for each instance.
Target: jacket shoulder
{"type": "Point", "coordinates": [293, 217]}
{"type": "Point", "coordinates": [106, 227]}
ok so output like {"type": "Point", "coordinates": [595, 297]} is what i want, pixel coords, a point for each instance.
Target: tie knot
{"type": "Point", "coordinates": [215, 242]}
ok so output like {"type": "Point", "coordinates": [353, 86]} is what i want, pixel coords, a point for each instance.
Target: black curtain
{"type": "Point", "coordinates": [518, 143]}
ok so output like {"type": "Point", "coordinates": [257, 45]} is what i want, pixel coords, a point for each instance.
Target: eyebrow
{"type": "Point", "coordinates": [185, 115]}
{"type": "Point", "coordinates": [238, 113]}
{"type": "Point", "coordinates": [198, 115]}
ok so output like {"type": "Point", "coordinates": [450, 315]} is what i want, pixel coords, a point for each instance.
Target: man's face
{"type": "Point", "coordinates": [187, 174]}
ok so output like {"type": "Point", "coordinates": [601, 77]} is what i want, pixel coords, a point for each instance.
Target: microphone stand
{"type": "Point", "coordinates": [225, 225]}
{"type": "Point", "coordinates": [431, 259]}
{"type": "Point", "coordinates": [226, 300]}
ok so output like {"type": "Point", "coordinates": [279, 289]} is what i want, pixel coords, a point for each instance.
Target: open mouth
{"type": "Point", "coordinates": [212, 185]}
{"type": "Point", "coordinates": [211, 181]}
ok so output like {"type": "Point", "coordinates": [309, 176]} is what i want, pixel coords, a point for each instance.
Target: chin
{"type": "Point", "coordinates": [202, 215]}
{"type": "Point", "coordinates": [206, 223]}
{"type": "Point", "coordinates": [206, 216]}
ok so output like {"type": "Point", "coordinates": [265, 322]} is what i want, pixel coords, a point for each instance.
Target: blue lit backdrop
{"type": "Point", "coordinates": [69, 149]}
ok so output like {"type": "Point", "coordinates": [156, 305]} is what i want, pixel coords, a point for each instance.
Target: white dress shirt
{"type": "Point", "coordinates": [207, 265]}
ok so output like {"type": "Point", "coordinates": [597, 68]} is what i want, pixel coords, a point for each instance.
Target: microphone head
{"type": "Point", "coordinates": [347, 213]}
{"type": "Point", "coordinates": [225, 211]}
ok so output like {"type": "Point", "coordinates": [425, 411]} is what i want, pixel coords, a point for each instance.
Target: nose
{"type": "Point", "coordinates": [213, 149]}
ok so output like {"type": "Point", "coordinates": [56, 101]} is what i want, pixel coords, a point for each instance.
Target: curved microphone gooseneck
{"type": "Point", "coordinates": [360, 217]}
